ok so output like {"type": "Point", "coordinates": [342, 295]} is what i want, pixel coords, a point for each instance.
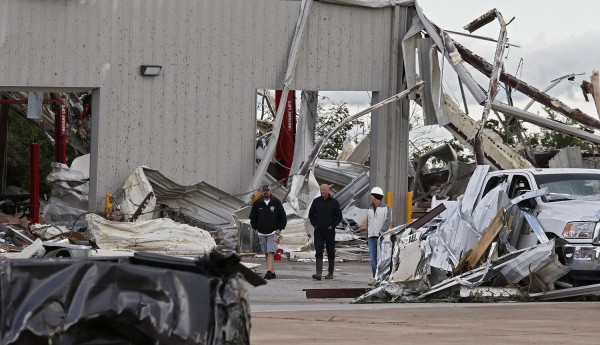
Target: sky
{"type": "Point", "coordinates": [556, 38]}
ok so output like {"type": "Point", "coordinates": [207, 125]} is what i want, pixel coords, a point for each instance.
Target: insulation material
{"type": "Point", "coordinates": [136, 188]}
{"type": "Point", "coordinates": [409, 259]}
{"type": "Point", "coordinates": [294, 237]}
{"type": "Point", "coordinates": [54, 213]}
{"type": "Point", "coordinates": [81, 164]}
{"type": "Point", "coordinates": [34, 250]}
{"type": "Point", "coordinates": [303, 188]}
{"type": "Point", "coordinates": [47, 231]}
{"type": "Point", "coordinates": [200, 205]}
{"type": "Point", "coordinates": [70, 191]}
{"type": "Point", "coordinates": [155, 236]}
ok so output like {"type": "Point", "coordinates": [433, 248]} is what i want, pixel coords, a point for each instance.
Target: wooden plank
{"type": "Point", "coordinates": [484, 243]}
{"type": "Point", "coordinates": [427, 217]}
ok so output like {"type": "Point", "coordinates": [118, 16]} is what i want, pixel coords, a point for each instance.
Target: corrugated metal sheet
{"type": "Point", "coordinates": [340, 173]}
{"type": "Point", "coordinates": [202, 202]}
{"type": "Point", "coordinates": [194, 122]}
{"type": "Point", "coordinates": [354, 192]}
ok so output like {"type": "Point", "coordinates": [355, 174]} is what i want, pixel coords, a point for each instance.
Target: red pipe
{"type": "Point", "coordinates": [60, 127]}
{"type": "Point", "coordinates": [284, 152]}
{"type": "Point", "coordinates": [34, 183]}
{"type": "Point", "coordinates": [60, 135]}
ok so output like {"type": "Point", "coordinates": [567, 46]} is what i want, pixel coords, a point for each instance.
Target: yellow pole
{"type": "Point", "coordinates": [108, 206]}
{"type": "Point", "coordinates": [409, 207]}
{"type": "Point", "coordinates": [388, 201]}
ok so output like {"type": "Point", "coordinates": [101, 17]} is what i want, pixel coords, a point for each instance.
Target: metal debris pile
{"type": "Point", "coordinates": [467, 249]}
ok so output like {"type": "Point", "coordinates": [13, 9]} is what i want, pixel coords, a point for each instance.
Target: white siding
{"type": "Point", "coordinates": [195, 122]}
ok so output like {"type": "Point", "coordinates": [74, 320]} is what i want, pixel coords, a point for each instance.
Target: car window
{"type": "Point", "coordinates": [569, 186]}
{"type": "Point", "coordinates": [493, 182]}
{"type": "Point", "coordinates": [519, 185]}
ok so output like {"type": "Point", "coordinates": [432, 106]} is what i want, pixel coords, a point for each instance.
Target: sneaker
{"type": "Point", "coordinates": [268, 275]}
{"type": "Point", "coordinates": [373, 282]}
{"type": "Point", "coordinates": [273, 275]}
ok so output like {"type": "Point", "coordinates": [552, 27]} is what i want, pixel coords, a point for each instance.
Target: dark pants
{"type": "Point", "coordinates": [327, 238]}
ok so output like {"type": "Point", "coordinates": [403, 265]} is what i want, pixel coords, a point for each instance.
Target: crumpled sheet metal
{"type": "Point", "coordinates": [136, 188]}
{"type": "Point", "coordinates": [387, 292]}
{"type": "Point", "coordinates": [70, 191]}
{"type": "Point", "coordinates": [157, 236]}
{"type": "Point", "coordinates": [120, 301]}
{"type": "Point", "coordinates": [201, 202]}
{"type": "Point", "coordinates": [463, 228]}
{"type": "Point", "coordinates": [540, 257]}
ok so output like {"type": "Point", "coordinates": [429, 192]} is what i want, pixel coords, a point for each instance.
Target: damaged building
{"type": "Point", "coordinates": [175, 159]}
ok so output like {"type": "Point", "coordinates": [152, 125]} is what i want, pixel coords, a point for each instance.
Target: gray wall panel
{"type": "Point", "coordinates": [195, 121]}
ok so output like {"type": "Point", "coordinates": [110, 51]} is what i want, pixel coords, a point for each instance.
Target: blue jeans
{"type": "Point", "coordinates": [325, 238]}
{"type": "Point", "coordinates": [373, 253]}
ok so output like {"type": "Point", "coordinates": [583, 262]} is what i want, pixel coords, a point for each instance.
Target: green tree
{"type": "Point", "coordinates": [327, 119]}
{"type": "Point", "coordinates": [554, 139]}
{"type": "Point", "coordinates": [21, 133]}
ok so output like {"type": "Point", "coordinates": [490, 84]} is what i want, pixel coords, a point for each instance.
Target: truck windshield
{"type": "Point", "coordinates": [569, 186]}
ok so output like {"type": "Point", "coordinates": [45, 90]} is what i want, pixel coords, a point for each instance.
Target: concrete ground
{"type": "Point", "coordinates": [281, 314]}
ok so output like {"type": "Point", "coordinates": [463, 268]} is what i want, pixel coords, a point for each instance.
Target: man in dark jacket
{"type": "Point", "coordinates": [268, 218]}
{"type": "Point", "coordinates": [324, 214]}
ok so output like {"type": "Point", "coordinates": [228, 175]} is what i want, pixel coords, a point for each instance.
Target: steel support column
{"type": "Point", "coordinates": [390, 125]}
{"type": "Point", "coordinates": [3, 144]}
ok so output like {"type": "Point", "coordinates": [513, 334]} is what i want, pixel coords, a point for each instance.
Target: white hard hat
{"type": "Point", "coordinates": [377, 190]}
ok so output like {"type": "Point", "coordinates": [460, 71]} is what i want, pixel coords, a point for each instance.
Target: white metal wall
{"type": "Point", "coordinates": [195, 122]}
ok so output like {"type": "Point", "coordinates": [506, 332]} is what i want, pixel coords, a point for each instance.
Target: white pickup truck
{"type": "Point", "coordinates": [569, 210]}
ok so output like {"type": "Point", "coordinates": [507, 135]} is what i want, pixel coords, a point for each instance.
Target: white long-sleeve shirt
{"type": "Point", "coordinates": [379, 220]}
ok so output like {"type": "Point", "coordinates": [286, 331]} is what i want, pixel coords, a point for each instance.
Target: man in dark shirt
{"type": "Point", "coordinates": [268, 218]}
{"type": "Point", "coordinates": [324, 214]}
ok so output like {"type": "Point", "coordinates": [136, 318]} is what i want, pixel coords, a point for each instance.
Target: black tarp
{"type": "Point", "coordinates": [146, 299]}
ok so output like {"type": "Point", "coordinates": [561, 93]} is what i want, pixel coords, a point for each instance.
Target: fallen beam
{"type": "Point", "coordinates": [427, 217]}
{"type": "Point", "coordinates": [336, 293]}
{"type": "Point", "coordinates": [312, 157]}
{"type": "Point", "coordinates": [565, 293]}
{"type": "Point", "coordinates": [543, 122]}
{"type": "Point", "coordinates": [494, 76]}
{"type": "Point", "coordinates": [553, 103]}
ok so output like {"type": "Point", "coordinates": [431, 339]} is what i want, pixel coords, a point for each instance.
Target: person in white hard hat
{"type": "Point", "coordinates": [379, 219]}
